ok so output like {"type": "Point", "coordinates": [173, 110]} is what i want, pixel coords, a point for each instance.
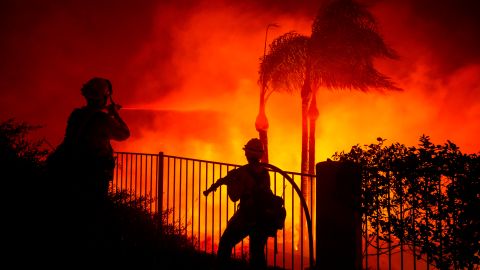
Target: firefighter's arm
{"type": "Point", "coordinates": [214, 186]}
{"type": "Point", "coordinates": [118, 128]}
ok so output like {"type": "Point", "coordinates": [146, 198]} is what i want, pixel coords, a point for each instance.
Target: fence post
{"type": "Point", "coordinates": [160, 183]}
{"type": "Point", "coordinates": [339, 222]}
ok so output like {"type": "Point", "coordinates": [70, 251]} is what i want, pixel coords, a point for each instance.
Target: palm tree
{"type": "Point", "coordinates": [338, 54]}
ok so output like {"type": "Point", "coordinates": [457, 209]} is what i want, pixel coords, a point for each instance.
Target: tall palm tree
{"type": "Point", "coordinates": [338, 54]}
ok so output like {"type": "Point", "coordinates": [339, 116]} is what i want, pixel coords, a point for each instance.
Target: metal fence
{"type": "Point", "coordinates": [175, 184]}
{"type": "Point", "coordinates": [407, 227]}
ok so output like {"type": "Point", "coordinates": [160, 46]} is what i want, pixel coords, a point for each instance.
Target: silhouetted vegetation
{"type": "Point", "coordinates": [125, 234]}
{"type": "Point", "coordinates": [21, 168]}
{"type": "Point", "coordinates": [426, 198]}
{"type": "Point", "coordinates": [339, 54]}
{"type": "Point", "coordinates": [20, 157]}
{"type": "Point", "coordinates": [47, 227]}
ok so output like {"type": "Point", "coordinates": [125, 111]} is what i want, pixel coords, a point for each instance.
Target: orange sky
{"type": "Point", "coordinates": [195, 64]}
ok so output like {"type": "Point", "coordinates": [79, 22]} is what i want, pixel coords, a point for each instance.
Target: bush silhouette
{"type": "Point", "coordinates": [48, 227]}
{"type": "Point", "coordinates": [426, 198]}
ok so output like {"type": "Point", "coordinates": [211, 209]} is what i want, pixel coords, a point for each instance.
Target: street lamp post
{"type": "Point", "coordinates": [261, 123]}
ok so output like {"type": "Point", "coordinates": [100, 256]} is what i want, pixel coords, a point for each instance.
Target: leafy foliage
{"type": "Point", "coordinates": [283, 69]}
{"type": "Point", "coordinates": [339, 53]}
{"type": "Point", "coordinates": [46, 225]}
{"type": "Point", "coordinates": [21, 167]}
{"type": "Point", "coordinates": [425, 197]}
{"type": "Point", "coordinates": [345, 40]}
{"type": "Point", "coordinates": [17, 152]}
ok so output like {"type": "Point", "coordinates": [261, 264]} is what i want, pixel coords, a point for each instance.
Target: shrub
{"type": "Point", "coordinates": [425, 197]}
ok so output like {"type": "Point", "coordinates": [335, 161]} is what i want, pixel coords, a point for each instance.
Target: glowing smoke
{"type": "Point", "coordinates": [196, 62]}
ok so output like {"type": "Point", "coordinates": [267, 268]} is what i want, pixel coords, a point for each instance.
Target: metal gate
{"type": "Point", "coordinates": [175, 185]}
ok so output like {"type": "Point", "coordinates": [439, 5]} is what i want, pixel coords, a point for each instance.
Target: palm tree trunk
{"type": "Point", "coordinates": [304, 185]}
{"type": "Point", "coordinates": [304, 157]}
{"type": "Point", "coordinates": [261, 125]}
{"type": "Point", "coordinates": [313, 116]}
{"type": "Point", "coordinates": [306, 97]}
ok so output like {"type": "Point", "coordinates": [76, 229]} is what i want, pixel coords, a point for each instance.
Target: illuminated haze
{"type": "Point", "coordinates": [193, 65]}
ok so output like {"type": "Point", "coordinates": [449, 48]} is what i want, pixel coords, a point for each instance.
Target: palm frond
{"type": "Point", "coordinates": [345, 41]}
{"type": "Point", "coordinates": [283, 68]}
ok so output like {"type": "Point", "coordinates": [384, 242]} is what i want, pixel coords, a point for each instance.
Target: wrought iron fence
{"type": "Point", "coordinates": [406, 225]}
{"type": "Point", "coordinates": [175, 184]}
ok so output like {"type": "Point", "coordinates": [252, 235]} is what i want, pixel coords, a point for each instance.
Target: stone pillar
{"type": "Point", "coordinates": [339, 223]}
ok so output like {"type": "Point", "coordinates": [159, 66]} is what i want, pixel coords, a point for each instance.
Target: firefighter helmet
{"type": "Point", "coordinates": [254, 148]}
{"type": "Point", "coordinates": [97, 88]}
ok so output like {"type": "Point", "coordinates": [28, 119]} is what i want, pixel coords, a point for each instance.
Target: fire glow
{"type": "Point", "coordinates": [187, 76]}
{"type": "Point", "coordinates": [197, 68]}
{"type": "Point", "coordinates": [211, 115]}
{"type": "Point", "coordinates": [211, 112]}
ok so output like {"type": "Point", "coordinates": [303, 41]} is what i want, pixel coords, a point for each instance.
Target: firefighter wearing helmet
{"type": "Point", "coordinates": [85, 156]}
{"type": "Point", "coordinates": [97, 90]}
{"type": "Point", "coordinates": [254, 149]}
{"type": "Point", "coordinates": [247, 184]}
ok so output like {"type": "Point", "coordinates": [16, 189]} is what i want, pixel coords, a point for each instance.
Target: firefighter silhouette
{"type": "Point", "coordinates": [81, 168]}
{"type": "Point", "coordinates": [85, 157]}
{"type": "Point", "coordinates": [248, 183]}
